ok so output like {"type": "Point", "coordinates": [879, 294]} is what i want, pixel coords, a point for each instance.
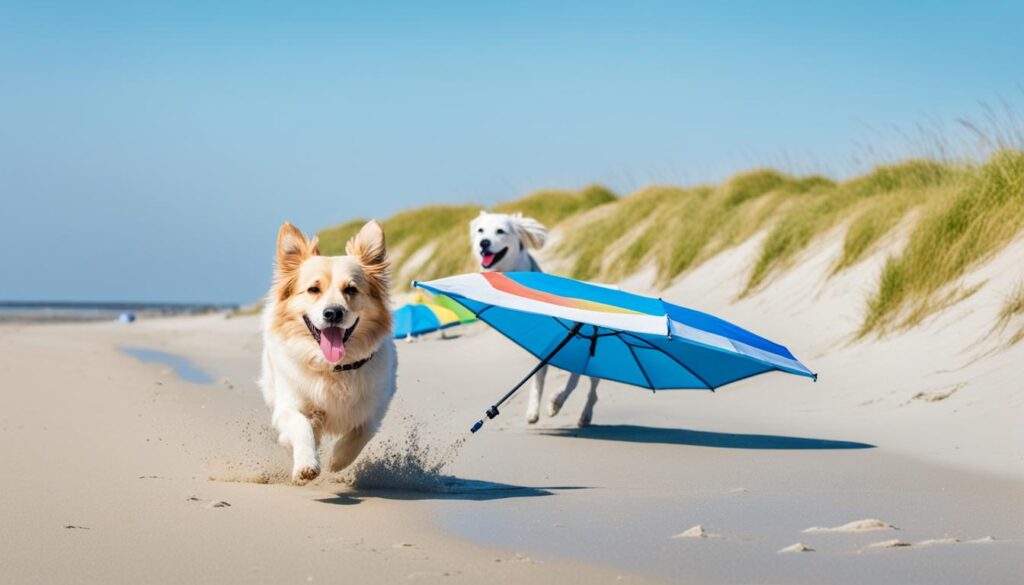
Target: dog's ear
{"type": "Point", "coordinates": [370, 248]}
{"type": "Point", "coordinates": [292, 250]}
{"type": "Point", "coordinates": [293, 247]}
{"type": "Point", "coordinates": [531, 232]}
{"type": "Point", "coordinates": [368, 245]}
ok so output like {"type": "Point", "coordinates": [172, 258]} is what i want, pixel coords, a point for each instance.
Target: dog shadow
{"type": "Point", "coordinates": [667, 436]}
{"type": "Point", "coordinates": [450, 488]}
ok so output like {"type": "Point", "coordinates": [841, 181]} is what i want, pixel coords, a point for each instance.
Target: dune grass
{"type": "Point", "coordinates": [551, 207]}
{"type": "Point", "coordinates": [898, 186]}
{"type": "Point", "coordinates": [964, 213]}
{"type": "Point", "coordinates": [677, 228]}
{"type": "Point", "coordinates": [1013, 307]}
{"type": "Point", "coordinates": [436, 237]}
{"type": "Point", "coordinates": [961, 214]}
{"type": "Point", "coordinates": [972, 222]}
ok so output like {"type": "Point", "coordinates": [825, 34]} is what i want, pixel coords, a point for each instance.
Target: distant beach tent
{"type": "Point", "coordinates": [608, 333]}
{"type": "Point", "coordinates": [426, 314]}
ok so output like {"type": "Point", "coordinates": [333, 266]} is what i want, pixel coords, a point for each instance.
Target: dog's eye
{"type": "Point", "coordinates": [350, 290]}
{"type": "Point", "coordinates": [500, 232]}
{"type": "Point", "coordinates": [479, 230]}
{"type": "Point", "coordinates": [313, 290]}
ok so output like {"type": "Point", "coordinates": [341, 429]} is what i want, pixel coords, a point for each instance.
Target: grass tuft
{"type": "Point", "coordinates": [963, 213]}
{"type": "Point", "coordinates": [436, 237]}
{"type": "Point", "coordinates": [966, 226]}
{"type": "Point", "coordinates": [1013, 307]}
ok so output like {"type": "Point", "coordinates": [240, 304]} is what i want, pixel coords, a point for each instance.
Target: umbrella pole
{"type": "Point", "coordinates": [493, 410]}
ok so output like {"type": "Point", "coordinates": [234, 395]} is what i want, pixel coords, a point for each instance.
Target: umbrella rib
{"type": "Point", "coordinates": [586, 363]}
{"type": "Point", "coordinates": [673, 358]}
{"type": "Point", "coordinates": [640, 365]}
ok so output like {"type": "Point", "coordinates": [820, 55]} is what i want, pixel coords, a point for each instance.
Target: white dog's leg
{"type": "Point", "coordinates": [536, 390]}
{"type": "Point", "coordinates": [297, 433]}
{"type": "Point", "coordinates": [348, 447]}
{"type": "Point", "coordinates": [588, 408]}
{"type": "Point", "coordinates": [559, 399]}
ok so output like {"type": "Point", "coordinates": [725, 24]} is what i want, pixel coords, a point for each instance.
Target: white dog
{"type": "Point", "coordinates": [329, 361]}
{"type": "Point", "coordinates": [503, 242]}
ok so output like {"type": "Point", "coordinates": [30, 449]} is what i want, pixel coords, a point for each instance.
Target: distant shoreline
{"type": "Point", "coordinates": [74, 311]}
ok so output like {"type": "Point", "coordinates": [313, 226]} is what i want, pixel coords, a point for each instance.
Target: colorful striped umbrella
{"type": "Point", "coordinates": [427, 314]}
{"type": "Point", "coordinates": [608, 333]}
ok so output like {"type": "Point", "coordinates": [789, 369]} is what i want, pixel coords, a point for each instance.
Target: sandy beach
{"type": "Point", "coordinates": [821, 204]}
{"type": "Point", "coordinates": [119, 470]}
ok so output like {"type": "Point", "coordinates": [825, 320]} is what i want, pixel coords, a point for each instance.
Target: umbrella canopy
{"type": "Point", "coordinates": [464, 314]}
{"type": "Point", "coordinates": [612, 334]}
{"type": "Point", "coordinates": [424, 315]}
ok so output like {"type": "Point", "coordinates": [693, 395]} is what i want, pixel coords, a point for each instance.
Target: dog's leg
{"type": "Point", "coordinates": [559, 399]}
{"type": "Point", "coordinates": [348, 447]}
{"type": "Point", "coordinates": [536, 390]}
{"type": "Point", "coordinates": [588, 408]}
{"type": "Point", "coordinates": [297, 433]}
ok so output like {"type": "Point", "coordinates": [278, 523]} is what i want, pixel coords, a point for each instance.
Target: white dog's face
{"type": "Point", "coordinates": [500, 240]}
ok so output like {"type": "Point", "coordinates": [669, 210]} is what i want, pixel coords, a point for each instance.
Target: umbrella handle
{"type": "Point", "coordinates": [491, 413]}
{"type": "Point", "coordinates": [493, 410]}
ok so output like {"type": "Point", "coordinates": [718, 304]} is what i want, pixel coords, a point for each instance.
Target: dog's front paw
{"type": "Point", "coordinates": [584, 420]}
{"type": "Point", "coordinates": [304, 473]}
{"type": "Point", "coordinates": [553, 407]}
{"type": "Point", "coordinates": [532, 416]}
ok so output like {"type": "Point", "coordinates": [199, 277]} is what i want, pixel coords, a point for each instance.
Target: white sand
{"type": "Point", "coordinates": [855, 526]}
{"type": "Point", "coordinates": [937, 541]}
{"type": "Point", "coordinates": [893, 543]}
{"type": "Point", "coordinates": [798, 547]}
{"type": "Point", "coordinates": [694, 532]}
{"type": "Point", "coordinates": [103, 452]}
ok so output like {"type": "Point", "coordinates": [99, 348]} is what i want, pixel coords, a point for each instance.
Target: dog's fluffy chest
{"type": "Point", "coordinates": [337, 401]}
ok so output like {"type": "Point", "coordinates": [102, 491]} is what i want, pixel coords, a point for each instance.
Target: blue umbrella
{"type": "Point", "coordinates": [417, 318]}
{"type": "Point", "coordinates": [612, 334]}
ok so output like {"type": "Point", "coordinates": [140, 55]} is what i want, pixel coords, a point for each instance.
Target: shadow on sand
{"type": "Point", "coordinates": [639, 434]}
{"type": "Point", "coordinates": [451, 488]}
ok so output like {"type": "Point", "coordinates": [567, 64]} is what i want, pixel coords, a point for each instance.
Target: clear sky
{"type": "Point", "coordinates": [149, 150]}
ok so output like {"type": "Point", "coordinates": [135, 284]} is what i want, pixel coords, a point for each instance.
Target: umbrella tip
{"type": "Point", "coordinates": [476, 426]}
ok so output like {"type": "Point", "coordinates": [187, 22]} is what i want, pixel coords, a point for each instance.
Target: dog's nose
{"type": "Point", "coordinates": [334, 313]}
{"type": "Point", "coordinates": [484, 244]}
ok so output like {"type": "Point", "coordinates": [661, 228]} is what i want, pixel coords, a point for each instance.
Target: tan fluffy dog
{"type": "Point", "coordinates": [328, 358]}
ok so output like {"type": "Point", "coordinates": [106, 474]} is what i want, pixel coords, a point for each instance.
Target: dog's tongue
{"type": "Point", "coordinates": [332, 344]}
{"type": "Point", "coordinates": [487, 259]}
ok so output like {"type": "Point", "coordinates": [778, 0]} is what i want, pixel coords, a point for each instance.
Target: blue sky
{"type": "Point", "coordinates": [149, 150]}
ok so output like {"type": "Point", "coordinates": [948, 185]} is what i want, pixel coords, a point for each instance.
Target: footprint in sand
{"type": "Point", "coordinates": [866, 525]}
{"type": "Point", "coordinates": [798, 547]}
{"type": "Point", "coordinates": [209, 503]}
{"type": "Point", "coordinates": [937, 541]}
{"type": "Point", "coordinates": [696, 532]}
{"type": "Point", "coordinates": [894, 543]}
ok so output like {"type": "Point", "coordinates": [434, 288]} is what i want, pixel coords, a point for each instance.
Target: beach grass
{"type": "Point", "coordinates": [962, 226]}
{"type": "Point", "coordinates": [955, 215]}
{"type": "Point", "coordinates": [1013, 308]}
{"type": "Point", "coordinates": [434, 240]}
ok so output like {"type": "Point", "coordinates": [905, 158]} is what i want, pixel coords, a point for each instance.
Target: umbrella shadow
{"type": "Point", "coordinates": [641, 434]}
{"type": "Point", "coordinates": [449, 488]}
